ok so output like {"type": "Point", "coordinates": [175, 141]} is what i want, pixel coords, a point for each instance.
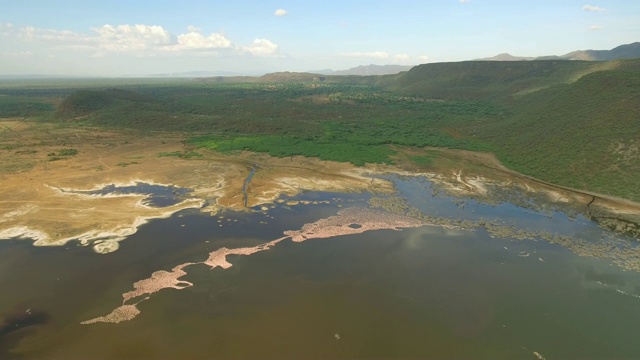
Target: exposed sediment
{"type": "Point", "coordinates": [54, 202]}
{"type": "Point", "coordinates": [218, 258]}
{"type": "Point", "coordinates": [159, 280]}
{"type": "Point", "coordinates": [343, 224]}
{"type": "Point", "coordinates": [118, 315]}
{"type": "Point", "coordinates": [395, 215]}
{"type": "Point", "coordinates": [46, 203]}
{"type": "Point", "coordinates": [347, 221]}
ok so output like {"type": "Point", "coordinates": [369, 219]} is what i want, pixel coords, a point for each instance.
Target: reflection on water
{"type": "Point", "coordinates": [527, 221]}
{"type": "Point", "coordinates": [451, 289]}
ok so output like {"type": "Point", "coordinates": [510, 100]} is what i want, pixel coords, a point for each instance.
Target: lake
{"type": "Point", "coordinates": [466, 284]}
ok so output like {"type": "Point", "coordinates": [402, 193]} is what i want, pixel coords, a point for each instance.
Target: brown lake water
{"type": "Point", "coordinates": [425, 292]}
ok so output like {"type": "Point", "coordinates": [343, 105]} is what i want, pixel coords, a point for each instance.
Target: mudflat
{"type": "Point", "coordinates": [47, 199]}
{"type": "Point", "coordinates": [53, 174]}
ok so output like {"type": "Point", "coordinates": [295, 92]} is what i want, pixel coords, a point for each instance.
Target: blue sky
{"type": "Point", "coordinates": [137, 37]}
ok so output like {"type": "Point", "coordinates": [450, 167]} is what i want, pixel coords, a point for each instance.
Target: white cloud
{"type": "Point", "coordinates": [132, 37]}
{"type": "Point", "coordinates": [261, 47]}
{"type": "Point", "coordinates": [30, 33]}
{"type": "Point", "coordinates": [401, 57]}
{"type": "Point", "coordinates": [463, 1]}
{"type": "Point", "coordinates": [195, 40]}
{"type": "Point", "coordinates": [15, 54]}
{"type": "Point", "coordinates": [280, 12]}
{"type": "Point", "coordinates": [595, 27]}
{"type": "Point", "coordinates": [423, 58]}
{"type": "Point", "coordinates": [5, 29]}
{"type": "Point", "coordinates": [593, 8]}
{"type": "Point", "coordinates": [139, 40]}
{"type": "Point", "coordinates": [106, 38]}
{"type": "Point", "coordinates": [373, 55]}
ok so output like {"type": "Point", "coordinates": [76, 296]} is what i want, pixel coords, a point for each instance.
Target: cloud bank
{"type": "Point", "coordinates": [372, 55]}
{"type": "Point", "coordinates": [136, 39]}
{"type": "Point", "coordinates": [384, 57]}
{"type": "Point", "coordinates": [593, 8]}
{"type": "Point", "coordinates": [280, 12]}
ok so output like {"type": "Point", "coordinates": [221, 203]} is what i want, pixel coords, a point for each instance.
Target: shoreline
{"type": "Point", "coordinates": [44, 202]}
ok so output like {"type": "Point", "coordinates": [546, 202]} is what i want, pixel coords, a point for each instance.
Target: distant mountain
{"type": "Point", "coordinates": [627, 51]}
{"type": "Point", "coordinates": [35, 76]}
{"type": "Point", "coordinates": [505, 57]}
{"type": "Point", "coordinates": [366, 70]}
{"type": "Point", "coordinates": [322, 72]}
{"type": "Point", "coordinates": [184, 74]}
{"type": "Point", "coordinates": [287, 76]}
{"type": "Point", "coordinates": [196, 74]}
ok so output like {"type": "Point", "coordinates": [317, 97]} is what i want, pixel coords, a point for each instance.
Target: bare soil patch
{"type": "Point", "coordinates": [34, 202]}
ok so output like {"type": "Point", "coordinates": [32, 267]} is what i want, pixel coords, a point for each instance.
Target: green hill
{"type": "Point", "coordinates": [295, 77]}
{"type": "Point", "coordinates": [584, 135]}
{"type": "Point", "coordinates": [85, 102]}
{"type": "Point", "coordinates": [488, 79]}
{"type": "Point", "coordinates": [573, 123]}
{"type": "Point", "coordinates": [121, 109]}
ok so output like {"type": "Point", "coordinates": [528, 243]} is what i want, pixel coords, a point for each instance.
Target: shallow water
{"type": "Point", "coordinates": [421, 292]}
{"type": "Point", "coordinates": [157, 195]}
{"type": "Point", "coordinates": [246, 183]}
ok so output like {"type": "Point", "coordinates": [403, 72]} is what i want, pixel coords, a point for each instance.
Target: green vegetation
{"type": "Point", "coordinates": [67, 152]}
{"type": "Point", "coordinates": [584, 135]}
{"type": "Point", "coordinates": [282, 146]}
{"type": "Point", "coordinates": [573, 123]}
{"type": "Point", "coordinates": [425, 160]}
{"type": "Point", "coordinates": [61, 154]}
{"type": "Point", "coordinates": [26, 152]}
{"type": "Point", "coordinates": [489, 79]}
{"type": "Point", "coordinates": [181, 154]}
{"type": "Point", "coordinates": [21, 106]}
{"type": "Point", "coordinates": [371, 122]}
{"type": "Point", "coordinates": [10, 147]}
{"type": "Point", "coordinates": [125, 164]}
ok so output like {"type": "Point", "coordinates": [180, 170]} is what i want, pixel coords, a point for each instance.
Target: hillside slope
{"type": "Point", "coordinates": [489, 79]}
{"type": "Point", "coordinates": [85, 102]}
{"type": "Point", "coordinates": [121, 108]}
{"type": "Point", "coordinates": [584, 135]}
